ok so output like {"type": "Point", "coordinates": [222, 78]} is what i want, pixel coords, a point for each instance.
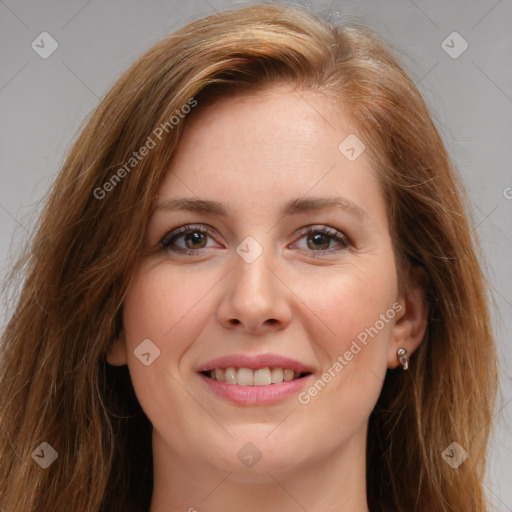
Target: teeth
{"type": "Point", "coordinates": [229, 375]}
{"type": "Point", "coordinates": [288, 375]}
{"type": "Point", "coordinates": [276, 375]}
{"type": "Point", "coordinates": [262, 377]}
{"type": "Point", "coordinates": [245, 377]}
{"type": "Point", "coordinates": [249, 377]}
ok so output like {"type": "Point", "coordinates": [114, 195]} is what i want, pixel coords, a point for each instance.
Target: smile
{"type": "Point", "coordinates": [248, 377]}
{"type": "Point", "coordinates": [254, 379]}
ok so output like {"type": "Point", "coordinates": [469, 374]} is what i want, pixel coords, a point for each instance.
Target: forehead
{"type": "Point", "coordinates": [278, 115]}
{"type": "Point", "coordinates": [269, 148]}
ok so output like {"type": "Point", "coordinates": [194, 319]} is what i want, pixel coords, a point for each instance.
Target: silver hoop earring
{"type": "Point", "coordinates": [403, 358]}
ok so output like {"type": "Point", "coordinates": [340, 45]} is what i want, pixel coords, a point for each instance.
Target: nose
{"type": "Point", "coordinates": [255, 299]}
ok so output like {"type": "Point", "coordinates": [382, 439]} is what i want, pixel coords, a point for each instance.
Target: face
{"type": "Point", "coordinates": [268, 258]}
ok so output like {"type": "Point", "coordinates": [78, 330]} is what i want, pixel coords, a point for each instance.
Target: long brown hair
{"type": "Point", "coordinates": [55, 385]}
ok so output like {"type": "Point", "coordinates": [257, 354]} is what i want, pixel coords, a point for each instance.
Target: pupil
{"type": "Point", "coordinates": [195, 237]}
{"type": "Point", "coordinates": [319, 241]}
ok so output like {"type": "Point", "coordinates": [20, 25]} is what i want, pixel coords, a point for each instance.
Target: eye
{"type": "Point", "coordinates": [321, 238]}
{"type": "Point", "coordinates": [190, 239]}
{"type": "Point", "coordinates": [187, 239]}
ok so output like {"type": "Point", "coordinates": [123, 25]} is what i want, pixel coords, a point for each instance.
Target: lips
{"type": "Point", "coordinates": [254, 380]}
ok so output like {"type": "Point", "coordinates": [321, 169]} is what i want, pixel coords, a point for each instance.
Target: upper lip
{"type": "Point", "coordinates": [254, 362]}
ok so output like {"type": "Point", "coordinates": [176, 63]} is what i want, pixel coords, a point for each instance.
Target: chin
{"type": "Point", "coordinates": [251, 457]}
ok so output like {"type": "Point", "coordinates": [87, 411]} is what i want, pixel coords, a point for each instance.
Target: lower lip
{"type": "Point", "coordinates": [255, 395]}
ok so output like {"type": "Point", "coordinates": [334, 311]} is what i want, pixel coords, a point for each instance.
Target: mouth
{"type": "Point", "coordinates": [254, 377]}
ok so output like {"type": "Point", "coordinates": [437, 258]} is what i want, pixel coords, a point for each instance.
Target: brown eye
{"type": "Point", "coordinates": [195, 240]}
{"type": "Point", "coordinates": [320, 239]}
{"type": "Point", "coordinates": [187, 239]}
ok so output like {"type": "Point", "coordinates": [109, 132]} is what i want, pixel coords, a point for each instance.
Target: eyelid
{"type": "Point", "coordinates": [312, 228]}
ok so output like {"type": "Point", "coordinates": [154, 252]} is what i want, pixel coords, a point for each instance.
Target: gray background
{"type": "Point", "coordinates": [44, 101]}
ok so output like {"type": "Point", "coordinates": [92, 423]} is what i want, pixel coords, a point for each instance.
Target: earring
{"type": "Point", "coordinates": [403, 358]}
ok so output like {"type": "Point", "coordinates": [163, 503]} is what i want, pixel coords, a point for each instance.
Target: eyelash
{"type": "Point", "coordinates": [167, 241]}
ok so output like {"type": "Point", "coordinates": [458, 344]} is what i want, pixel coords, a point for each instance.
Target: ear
{"type": "Point", "coordinates": [412, 320]}
{"type": "Point", "coordinates": [117, 355]}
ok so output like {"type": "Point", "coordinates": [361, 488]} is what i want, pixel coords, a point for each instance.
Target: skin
{"type": "Point", "coordinates": [254, 154]}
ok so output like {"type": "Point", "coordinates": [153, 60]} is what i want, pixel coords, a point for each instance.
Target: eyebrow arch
{"type": "Point", "coordinates": [319, 203]}
{"type": "Point", "coordinates": [292, 207]}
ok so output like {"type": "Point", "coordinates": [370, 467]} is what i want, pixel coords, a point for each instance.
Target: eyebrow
{"type": "Point", "coordinates": [292, 207]}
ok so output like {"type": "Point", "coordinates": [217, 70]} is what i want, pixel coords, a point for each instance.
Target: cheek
{"type": "Point", "coordinates": [354, 315]}
{"type": "Point", "coordinates": [161, 303]}
{"type": "Point", "coordinates": [348, 301]}
{"type": "Point", "coordinates": [166, 307]}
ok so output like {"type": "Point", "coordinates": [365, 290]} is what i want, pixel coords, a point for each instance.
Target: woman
{"type": "Point", "coordinates": [254, 285]}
